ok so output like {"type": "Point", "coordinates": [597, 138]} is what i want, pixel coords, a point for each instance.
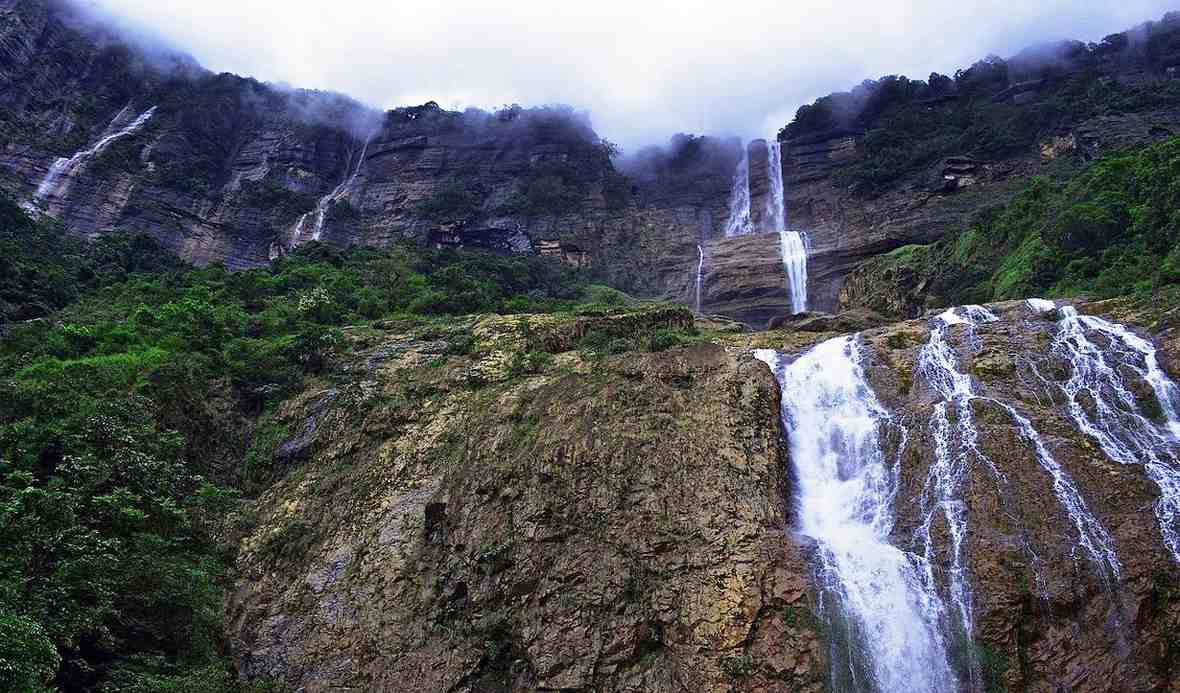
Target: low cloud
{"type": "Point", "coordinates": [643, 69]}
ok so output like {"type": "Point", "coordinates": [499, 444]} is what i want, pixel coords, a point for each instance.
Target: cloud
{"type": "Point", "coordinates": [643, 68]}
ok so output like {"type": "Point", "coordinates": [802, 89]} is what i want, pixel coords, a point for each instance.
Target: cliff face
{"type": "Point", "coordinates": [626, 524]}
{"type": "Point", "coordinates": [607, 524]}
{"type": "Point", "coordinates": [229, 170]}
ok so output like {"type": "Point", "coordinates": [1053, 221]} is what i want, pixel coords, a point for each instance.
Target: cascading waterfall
{"type": "Point", "coordinates": [890, 618]}
{"type": "Point", "coordinates": [320, 212]}
{"type": "Point", "coordinates": [938, 365]}
{"type": "Point", "coordinates": [794, 250]}
{"type": "Point", "coordinates": [64, 167]}
{"type": "Point", "coordinates": [700, 271]}
{"type": "Point", "coordinates": [739, 222]}
{"type": "Point", "coordinates": [1093, 538]}
{"type": "Point", "coordinates": [793, 244]}
{"type": "Point", "coordinates": [1104, 408]}
{"type": "Point", "coordinates": [954, 449]}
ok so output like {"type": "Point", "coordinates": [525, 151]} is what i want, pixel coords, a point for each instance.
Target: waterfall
{"type": "Point", "coordinates": [792, 244]}
{"type": "Point", "coordinates": [320, 212]}
{"type": "Point", "coordinates": [1104, 408]}
{"type": "Point", "coordinates": [794, 250]}
{"type": "Point", "coordinates": [700, 269]}
{"type": "Point", "coordinates": [776, 203]}
{"type": "Point", "coordinates": [64, 167]}
{"type": "Point", "coordinates": [739, 222]}
{"type": "Point", "coordinates": [885, 618]}
{"type": "Point", "coordinates": [954, 450]}
{"type": "Point", "coordinates": [938, 365]}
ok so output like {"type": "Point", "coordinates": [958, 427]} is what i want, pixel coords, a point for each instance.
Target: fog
{"type": "Point", "coordinates": [643, 69]}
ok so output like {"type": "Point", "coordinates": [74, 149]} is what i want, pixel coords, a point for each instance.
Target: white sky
{"type": "Point", "coordinates": [645, 69]}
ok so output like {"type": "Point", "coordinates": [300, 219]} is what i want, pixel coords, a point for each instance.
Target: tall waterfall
{"type": "Point", "coordinates": [776, 206]}
{"type": "Point", "coordinates": [739, 222]}
{"type": "Point", "coordinates": [792, 243]}
{"type": "Point", "coordinates": [317, 215]}
{"type": "Point", "coordinates": [1104, 407]}
{"type": "Point", "coordinates": [885, 617]}
{"type": "Point", "coordinates": [794, 250]}
{"type": "Point", "coordinates": [64, 167]}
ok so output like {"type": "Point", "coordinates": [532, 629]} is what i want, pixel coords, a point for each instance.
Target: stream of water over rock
{"type": "Point", "coordinates": [63, 168]}
{"type": "Point", "coordinates": [318, 214]}
{"type": "Point", "coordinates": [792, 244]}
{"type": "Point", "coordinates": [885, 620]}
{"type": "Point", "coordinates": [1103, 356]}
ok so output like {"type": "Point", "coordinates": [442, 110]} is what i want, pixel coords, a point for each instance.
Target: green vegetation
{"type": "Point", "coordinates": [456, 200]}
{"type": "Point", "coordinates": [985, 111]}
{"type": "Point", "coordinates": [1112, 229]}
{"type": "Point", "coordinates": [134, 400]}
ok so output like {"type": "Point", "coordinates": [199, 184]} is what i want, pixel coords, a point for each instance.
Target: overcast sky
{"type": "Point", "coordinates": [644, 69]}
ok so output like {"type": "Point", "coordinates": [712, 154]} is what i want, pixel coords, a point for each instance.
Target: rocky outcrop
{"type": "Point", "coordinates": [598, 525]}
{"type": "Point", "coordinates": [624, 523]}
{"type": "Point", "coordinates": [1047, 619]}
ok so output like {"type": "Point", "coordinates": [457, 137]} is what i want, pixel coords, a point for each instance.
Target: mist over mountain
{"type": "Point", "coordinates": [643, 70]}
{"type": "Point", "coordinates": [594, 348]}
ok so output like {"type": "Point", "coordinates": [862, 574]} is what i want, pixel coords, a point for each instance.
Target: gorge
{"type": "Point", "coordinates": [301, 395]}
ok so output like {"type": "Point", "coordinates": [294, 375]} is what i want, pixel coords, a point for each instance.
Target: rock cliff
{"type": "Point", "coordinates": [233, 171]}
{"type": "Point", "coordinates": [626, 523]}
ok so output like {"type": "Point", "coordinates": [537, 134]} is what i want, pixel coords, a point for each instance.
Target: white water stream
{"type": "Point", "coordinates": [1104, 407]}
{"type": "Point", "coordinates": [299, 231]}
{"type": "Point", "coordinates": [938, 365]}
{"type": "Point", "coordinates": [885, 619]}
{"type": "Point", "coordinates": [955, 448]}
{"type": "Point", "coordinates": [739, 223]}
{"type": "Point", "coordinates": [63, 168]}
{"type": "Point", "coordinates": [700, 272]}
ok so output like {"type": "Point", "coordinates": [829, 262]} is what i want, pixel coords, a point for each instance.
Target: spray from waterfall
{"type": "Point", "coordinates": [1104, 407]}
{"type": "Point", "coordinates": [320, 212]}
{"type": "Point", "coordinates": [63, 168]}
{"type": "Point", "coordinates": [886, 620]}
{"type": "Point", "coordinates": [739, 223]}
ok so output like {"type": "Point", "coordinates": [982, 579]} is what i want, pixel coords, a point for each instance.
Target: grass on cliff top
{"type": "Point", "coordinates": [129, 389]}
{"type": "Point", "coordinates": [1110, 229]}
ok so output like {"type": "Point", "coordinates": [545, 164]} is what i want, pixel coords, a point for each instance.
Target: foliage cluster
{"type": "Point", "coordinates": [128, 387]}
{"type": "Point", "coordinates": [1111, 229]}
{"type": "Point", "coordinates": [909, 124]}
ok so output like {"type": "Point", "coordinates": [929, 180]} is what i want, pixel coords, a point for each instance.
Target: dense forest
{"type": "Point", "coordinates": [1109, 229]}
{"type": "Point", "coordinates": [130, 385]}
{"type": "Point", "coordinates": [907, 124]}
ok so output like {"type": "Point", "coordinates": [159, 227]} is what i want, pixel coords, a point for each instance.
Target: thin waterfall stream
{"type": "Point", "coordinates": [700, 271]}
{"type": "Point", "coordinates": [320, 212]}
{"type": "Point", "coordinates": [62, 170]}
{"type": "Point", "coordinates": [1132, 429]}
